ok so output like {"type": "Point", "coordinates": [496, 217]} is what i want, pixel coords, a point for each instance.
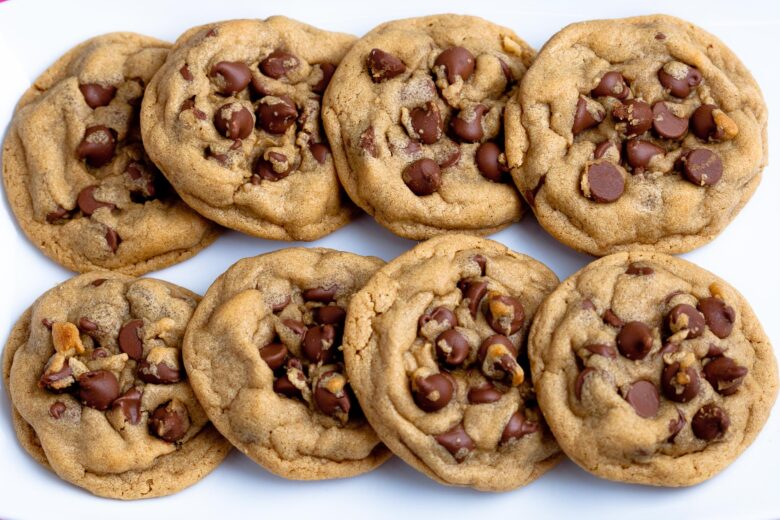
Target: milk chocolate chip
{"type": "Point", "coordinates": [97, 95]}
{"type": "Point", "coordinates": [504, 314]}
{"type": "Point", "coordinates": [87, 202]}
{"type": "Point", "coordinates": [636, 114]}
{"type": "Point", "coordinates": [457, 442]}
{"type": "Point", "coordinates": [666, 124]}
{"type": "Point", "coordinates": [98, 389]}
{"type": "Point", "coordinates": [724, 375]}
{"type": "Point", "coordinates": [234, 121]}
{"type": "Point", "coordinates": [427, 123]}
{"type": "Point", "coordinates": [231, 76]}
{"type": "Point", "coordinates": [639, 152]}
{"type": "Point", "coordinates": [98, 145]}
{"type": "Point", "coordinates": [635, 340]}
{"type": "Point", "coordinates": [612, 84]}
{"type": "Point", "coordinates": [278, 64]}
{"type": "Point", "coordinates": [680, 384]}
{"type": "Point", "coordinates": [423, 177]}
{"type": "Point", "coordinates": [452, 347]}
{"type": "Point", "coordinates": [643, 398]}
{"type": "Point", "coordinates": [719, 316]}
{"type": "Point", "coordinates": [517, 427]}
{"type": "Point", "coordinates": [434, 392]}
{"type": "Point", "coordinates": [170, 421]}
{"type": "Point", "coordinates": [130, 339]}
{"type": "Point", "coordinates": [602, 182]}
{"type": "Point", "coordinates": [468, 124]}
{"type": "Point", "coordinates": [274, 355]}
{"type": "Point", "coordinates": [457, 62]}
{"type": "Point", "coordinates": [383, 66]}
{"type": "Point", "coordinates": [587, 114]}
{"type": "Point", "coordinates": [701, 167]}
{"type": "Point", "coordinates": [679, 78]}
{"type": "Point", "coordinates": [276, 114]}
{"type": "Point", "coordinates": [710, 423]}
{"type": "Point", "coordinates": [491, 162]}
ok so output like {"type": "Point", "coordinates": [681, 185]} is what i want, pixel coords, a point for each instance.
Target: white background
{"type": "Point", "coordinates": [34, 33]}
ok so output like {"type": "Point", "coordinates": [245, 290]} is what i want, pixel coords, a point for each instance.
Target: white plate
{"type": "Point", "coordinates": [34, 33]}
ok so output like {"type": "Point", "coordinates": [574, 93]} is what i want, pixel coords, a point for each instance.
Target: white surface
{"type": "Point", "coordinates": [34, 33]}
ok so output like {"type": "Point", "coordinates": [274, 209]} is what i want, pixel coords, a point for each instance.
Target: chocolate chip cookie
{"type": "Point", "coordinates": [263, 352]}
{"type": "Point", "coordinates": [651, 370]}
{"type": "Point", "coordinates": [435, 349]}
{"type": "Point", "coordinates": [415, 113]}
{"type": "Point", "coordinates": [637, 133]}
{"type": "Point", "coordinates": [99, 392]}
{"type": "Point", "coordinates": [76, 174]}
{"type": "Point", "coordinates": [233, 121]}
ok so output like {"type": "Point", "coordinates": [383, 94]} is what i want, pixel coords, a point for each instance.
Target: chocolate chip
{"type": "Point", "coordinates": [637, 115]}
{"type": "Point", "coordinates": [456, 441]}
{"type": "Point", "coordinates": [685, 317]}
{"type": "Point", "coordinates": [679, 78]}
{"type": "Point", "coordinates": [274, 355]}
{"type": "Point", "coordinates": [112, 239]}
{"type": "Point", "coordinates": [423, 177]}
{"type": "Point", "coordinates": [612, 84]}
{"type": "Point", "coordinates": [584, 118]}
{"type": "Point", "coordinates": [97, 146]}
{"type": "Point", "coordinates": [234, 121]}
{"type": "Point", "coordinates": [504, 314]}
{"type": "Point", "coordinates": [327, 73]}
{"type": "Point", "coordinates": [367, 142]}
{"type": "Point", "coordinates": [130, 404]}
{"type": "Point", "coordinates": [457, 62]}
{"type": "Point", "coordinates": [57, 381]}
{"type": "Point", "coordinates": [276, 114]}
{"type": "Point", "coordinates": [484, 394]}
{"type": "Point", "coordinates": [714, 350]}
{"type": "Point", "coordinates": [666, 124]}
{"type": "Point", "coordinates": [680, 384]}
{"type": "Point", "coordinates": [87, 202]}
{"type": "Point", "coordinates": [319, 151]}
{"type": "Point", "coordinates": [498, 360]}
{"type": "Point", "coordinates": [452, 347]}
{"type": "Point", "coordinates": [587, 304]}
{"type": "Point", "coordinates": [57, 409]}
{"type": "Point", "coordinates": [601, 349]}
{"type": "Point", "coordinates": [329, 314]}
{"type": "Point", "coordinates": [294, 325]}
{"type": "Point", "coordinates": [97, 95]}
{"type": "Point", "coordinates": [610, 318]}
{"type": "Point", "coordinates": [87, 326]}
{"type": "Point", "coordinates": [58, 214]}
{"type": "Point", "coordinates": [639, 153]}
{"type": "Point", "coordinates": [602, 182]}
{"type": "Point", "coordinates": [643, 398]}
{"type": "Point", "coordinates": [701, 167]}
{"type": "Point", "coordinates": [318, 343]}
{"type": "Point", "coordinates": [383, 66]}
{"type": "Point", "coordinates": [185, 72]}
{"type": "Point", "coordinates": [703, 124]}
{"type": "Point", "coordinates": [130, 339]}
{"type": "Point", "coordinates": [660, 36]}
{"type": "Point", "coordinates": [231, 76]}
{"type": "Point", "coordinates": [142, 181]}
{"type": "Point", "coordinates": [468, 124]}
{"type": "Point", "coordinates": [332, 399]}
{"type": "Point", "coordinates": [635, 340]}
{"type": "Point", "coordinates": [440, 315]}
{"type": "Point", "coordinates": [320, 294]}
{"type": "Point", "coordinates": [676, 425]}
{"type": "Point", "coordinates": [46, 322]}
{"type": "Point", "coordinates": [158, 374]}
{"type": "Point", "coordinates": [99, 353]}
{"type": "Point", "coordinates": [98, 389]}
{"type": "Point", "coordinates": [719, 316]}
{"type": "Point", "coordinates": [279, 304]}
{"type": "Point", "coordinates": [481, 261]}
{"type": "Point", "coordinates": [264, 169]}
{"type": "Point", "coordinates": [490, 162]}
{"type": "Point", "coordinates": [434, 392]}
{"type": "Point", "coordinates": [605, 147]}
{"type": "Point", "coordinates": [170, 421]}
{"type": "Point", "coordinates": [282, 385]}
{"type": "Point", "coordinates": [517, 427]}
{"type": "Point", "coordinates": [278, 64]}
{"type": "Point", "coordinates": [451, 159]}
{"type": "Point", "coordinates": [710, 422]}
{"type": "Point", "coordinates": [581, 381]}
{"type": "Point", "coordinates": [639, 270]}
{"type": "Point", "coordinates": [473, 292]}
{"type": "Point", "coordinates": [189, 104]}
{"type": "Point", "coordinates": [724, 375]}
{"type": "Point", "coordinates": [427, 123]}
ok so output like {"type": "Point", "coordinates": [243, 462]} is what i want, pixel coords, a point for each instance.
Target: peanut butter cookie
{"type": "Point", "coordinates": [651, 370]}
{"type": "Point", "coordinates": [637, 133]}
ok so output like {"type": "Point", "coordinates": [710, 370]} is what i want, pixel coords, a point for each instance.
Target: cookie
{"type": "Point", "coordinates": [263, 352]}
{"type": "Point", "coordinates": [414, 114]}
{"type": "Point", "coordinates": [651, 370]}
{"type": "Point", "coordinates": [435, 350]}
{"type": "Point", "coordinates": [98, 391]}
{"type": "Point", "coordinates": [638, 133]}
{"type": "Point", "coordinates": [76, 174]}
{"type": "Point", "coordinates": [233, 120]}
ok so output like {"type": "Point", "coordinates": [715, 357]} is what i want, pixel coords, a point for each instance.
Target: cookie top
{"type": "Point", "coordinates": [636, 133]}
{"type": "Point", "coordinates": [651, 370]}
{"type": "Point", "coordinates": [264, 355]}
{"type": "Point", "coordinates": [435, 350]}
{"type": "Point", "coordinates": [95, 375]}
{"type": "Point", "coordinates": [76, 173]}
{"type": "Point", "coordinates": [233, 120]}
{"type": "Point", "coordinates": [414, 113]}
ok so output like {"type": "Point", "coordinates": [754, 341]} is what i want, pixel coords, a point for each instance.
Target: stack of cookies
{"type": "Point", "coordinates": [630, 139]}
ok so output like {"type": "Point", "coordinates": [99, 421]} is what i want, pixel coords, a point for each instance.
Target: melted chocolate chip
{"type": "Point", "coordinates": [367, 142]}
{"type": "Point", "coordinates": [490, 162]}
{"type": "Point", "coordinates": [98, 389]}
{"type": "Point", "coordinates": [130, 404]}
{"type": "Point", "coordinates": [724, 375]}
{"type": "Point", "coordinates": [327, 401]}
{"type": "Point", "coordinates": [97, 146]}
{"type": "Point", "coordinates": [584, 118]}
{"type": "Point", "coordinates": [87, 202]}
{"type": "Point", "coordinates": [427, 123]}
{"type": "Point", "coordinates": [320, 294]}
{"type": "Point", "coordinates": [457, 442]}
{"type": "Point", "coordinates": [263, 169]}
{"type": "Point", "coordinates": [452, 347]}
{"type": "Point", "coordinates": [636, 114]}
{"type": "Point", "coordinates": [97, 95]}
{"type": "Point", "coordinates": [685, 317]}
{"type": "Point", "coordinates": [439, 315]}
{"type": "Point", "coordinates": [170, 421]}
{"type": "Point", "coordinates": [718, 316]}
{"type": "Point", "coordinates": [703, 124]}
{"type": "Point", "coordinates": [580, 381]}
{"type": "Point", "coordinates": [327, 73]}
{"type": "Point", "coordinates": [319, 151]}
{"type": "Point", "coordinates": [234, 121]}
{"type": "Point", "coordinates": [504, 314]}
{"type": "Point", "coordinates": [666, 124]}
{"type": "Point", "coordinates": [682, 82]}
{"type": "Point", "coordinates": [639, 152]}
{"type": "Point", "coordinates": [276, 115]}
{"type": "Point", "coordinates": [610, 318]}
{"type": "Point", "coordinates": [457, 62]}
{"type": "Point", "coordinates": [468, 126]}
{"type": "Point", "coordinates": [130, 339]}
{"type": "Point", "coordinates": [635, 340]}
{"type": "Point", "coordinates": [232, 76]}
{"type": "Point", "coordinates": [278, 64]}
{"type": "Point", "coordinates": [434, 392]}
{"type": "Point", "coordinates": [318, 343]}
{"type": "Point", "coordinates": [473, 292]}
{"type": "Point", "coordinates": [329, 314]}
{"type": "Point", "coordinates": [112, 239]}
{"type": "Point", "coordinates": [484, 394]}
{"type": "Point", "coordinates": [518, 426]}
{"type": "Point", "coordinates": [383, 66]}
{"type": "Point", "coordinates": [274, 355]}
{"type": "Point", "coordinates": [639, 270]}
{"type": "Point", "coordinates": [680, 384]}
{"type": "Point", "coordinates": [710, 423]}
{"type": "Point", "coordinates": [601, 349]}
{"type": "Point", "coordinates": [423, 177]}
{"type": "Point", "coordinates": [602, 182]}
{"type": "Point", "coordinates": [612, 84]}
{"type": "Point", "coordinates": [159, 374]}
{"type": "Point", "coordinates": [57, 409]}
{"type": "Point", "coordinates": [643, 398]}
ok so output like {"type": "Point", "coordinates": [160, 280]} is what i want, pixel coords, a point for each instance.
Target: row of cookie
{"type": "Point", "coordinates": [635, 133]}
{"type": "Point", "coordinates": [468, 360]}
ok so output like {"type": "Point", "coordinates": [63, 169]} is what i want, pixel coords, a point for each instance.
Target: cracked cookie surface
{"type": "Point", "coordinates": [435, 349]}
{"type": "Point", "coordinates": [651, 370]}
{"type": "Point", "coordinates": [233, 120]}
{"type": "Point", "coordinates": [76, 174]}
{"type": "Point", "coordinates": [643, 132]}
{"type": "Point", "coordinates": [264, 355]}
{"type": "Point", "coordinates": [98, 391]}
{"type": "Point", "coordinates": [414, 114]}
